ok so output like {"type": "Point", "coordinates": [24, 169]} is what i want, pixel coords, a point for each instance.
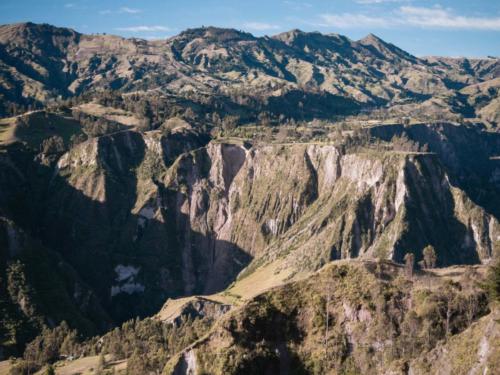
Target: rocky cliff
{"type": "Point", "coordinates": [169, 215]}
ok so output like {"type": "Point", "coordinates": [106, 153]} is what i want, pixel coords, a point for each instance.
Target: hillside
{"type": "Point", "coordinates": [221, 203]}
{"type": "Point", "coordinates": [350, 317]}
{"type": "Point", "coordinates": [172, 214]}
{"type": "Point", "coordinates": [42, 62]}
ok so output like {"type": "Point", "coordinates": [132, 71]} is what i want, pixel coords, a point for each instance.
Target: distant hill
{"type": "Point", "coordinates": [42, 62]}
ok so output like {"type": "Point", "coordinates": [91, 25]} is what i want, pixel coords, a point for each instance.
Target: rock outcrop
{"type": "Point", "coordinates": [147, 216]}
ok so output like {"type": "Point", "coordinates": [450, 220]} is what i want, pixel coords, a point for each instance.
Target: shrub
{"type": "Point", "coordinates": [492, 283]}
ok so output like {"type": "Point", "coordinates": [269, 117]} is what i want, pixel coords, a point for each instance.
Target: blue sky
{"type": "Point", "coordinates": [422, 27]}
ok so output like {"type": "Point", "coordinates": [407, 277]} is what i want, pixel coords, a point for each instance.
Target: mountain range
{"type": "Point", "coordinates": [251, 200]}
{"type": "Point", "coordinates": [40, 62]}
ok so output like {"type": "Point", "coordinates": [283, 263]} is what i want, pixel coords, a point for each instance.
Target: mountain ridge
{"type": "Point", "coordinates": [370, 71]}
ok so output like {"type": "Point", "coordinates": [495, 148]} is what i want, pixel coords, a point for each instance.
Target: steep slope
{"type": "Point", "coordinates": [39, 289]}
{"type": "Point", "coordinates": [474, 351]}
{"type": "Point", "coordinates": [34, 63]}
{"type": "Point", "coordinates": [468, 155]}
{"type": "Point", "coordinates": [485, 97]}
{"type": "Point", "coordinates": [348, 318]}
{"type": "Point", "coordinates": [134, 192]}
{"type": "Point", "coordinates": [330, 205]}
{"type": "Point", "coordinates": [222, 61]}
{"type": "Point", "coordinates": [168, 216]}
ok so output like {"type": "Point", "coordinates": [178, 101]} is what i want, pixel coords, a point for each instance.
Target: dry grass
{"type": "Point", "coordinates": [85, 366]}
{"type": "Point", "coordinates": [109, 113]}
{"type": "Point", "coordinates": [263, 279]}
{"type": "Point", "coordinates": [7, 130]}
{"type": "Point", "coordinates": [39, 125]}
{"type": "Point", "coordinates": [274, 275]}
{"type": "Point", "coordinates": [467, 276]}
{"type": "Point", "coordinates": [173, 308]}
{"type": "Point", "coordinates": [5, 367]}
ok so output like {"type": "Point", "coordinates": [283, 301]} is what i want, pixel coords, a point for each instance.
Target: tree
{"type": "Point", "coordinates": [452, 302]}
{"type": "Point", "coordinates": [229, 123]}
{"type": "Point", "coordinates": [190, 114]}
{"type": "Point", "coordinates": [216, 119]}
{"type": "Point", "coordinates": [424, 148]}
{"type": "Point", "coordinates": [492, 283]}
{"type": "Point", "coordinates": [264, 119]}
{"type": "Point", "coordinates": [137, 363]}
{"type": "Point", "coordinates": [144, 123]}
{"type": "Point", "coordinates": [327, 318]}
{"type": "Point", "coordinates": [410, 328]}
{"type": "Point", "coordinates": [409, 264]}
{"type": "Point", "coordinates": [430, 257]}
{"type": "Point", "coordinates": [101, 364]}
{"type": "Point", "coordinates": [77, 138]}
{"type": "Point", "coordinates": [403, 143]}
{"type": "Point", "coordinates": [53, 145]}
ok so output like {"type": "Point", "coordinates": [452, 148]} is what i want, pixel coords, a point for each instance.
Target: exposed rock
{"type": "Point", "coordinates": [174, 311]}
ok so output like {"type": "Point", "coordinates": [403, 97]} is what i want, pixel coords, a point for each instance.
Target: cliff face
{"type": "Point", "coordinates": [310, 204]}
{"type": "Point", "coordinates": [474, 351]}
{"type": "Point", "coordinates": [143, 217]}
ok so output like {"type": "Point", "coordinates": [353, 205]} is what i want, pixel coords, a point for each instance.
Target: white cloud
{"type": "Point", "coordinates": [429, 18]}
{"type": "Point", "coordinates": [141, 29]}
{"type": "Point", "coordinates": [259, 26]}
{"type": "Point", "coordinates": [381, 1]}
{"type": "Point", "coordinates": [352, 20]}
{"type": "Point", "coordinates": [444, 18]}
{"type": "Point", "coordinates": [69, 5]}
{"type": "Point", "coordinates": [130, 10]}
{"type": "Point", "coordinates": [121, 10]}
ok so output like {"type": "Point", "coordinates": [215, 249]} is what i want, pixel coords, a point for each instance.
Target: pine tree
{"type": "Point", "coordinates": [492, 283]}
{"type": "Point", "coordinates": [430, 257]}
{"type": "Point", "coordinates": [50, 370]}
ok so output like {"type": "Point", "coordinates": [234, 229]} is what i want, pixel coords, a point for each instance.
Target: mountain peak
{"type": "Point", "coordinates": [372, 39]}
{"type": "Point", "coordinates": [289, 37]}
{"type": "Point", "coordinates": [35, 28]}
{"type": "Point", "coordinates": [384, 48]}
{"type": "Point", "coordinates": [216, 34]}
{"type": "Point", "coordinates": [42, 34]}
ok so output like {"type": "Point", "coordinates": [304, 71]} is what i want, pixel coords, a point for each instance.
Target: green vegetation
{"type": "Point", "coordinates": [430, 257]}
{"type": "Point", "coordinates": [146, 344]}
{"type": "Point", "coordinates": [37, 127]}
{"type": "Point", "coordinates": [37, 286]}
{"type": "Point", "coordinates": [492, 282]}
{"type": "Point", "coordinates": [343, 320]}
{"type": "Point", "coordinates": [139, 182]}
